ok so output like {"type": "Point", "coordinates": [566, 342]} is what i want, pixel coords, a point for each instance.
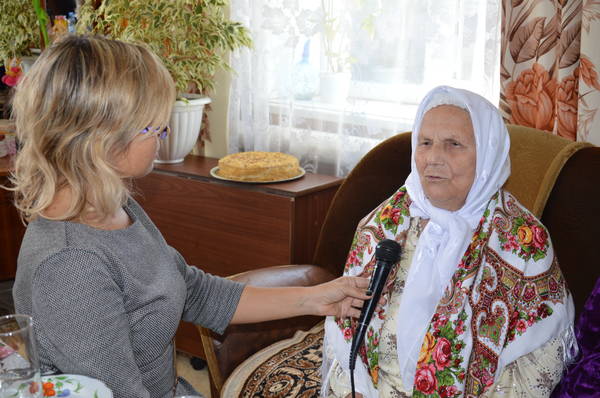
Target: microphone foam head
{"type": "Point", "coordinates": [388, 250]}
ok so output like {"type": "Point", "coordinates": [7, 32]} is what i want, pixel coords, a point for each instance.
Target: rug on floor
{"type": "Point", "coordinates": [290, 368]}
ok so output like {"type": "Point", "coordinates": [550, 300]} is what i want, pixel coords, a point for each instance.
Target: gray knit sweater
{"type": "Point", "coordinates": [107, 303]}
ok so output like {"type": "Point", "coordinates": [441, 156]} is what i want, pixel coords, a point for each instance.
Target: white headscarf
{"type": "Point", "coordinates": [448, 233]}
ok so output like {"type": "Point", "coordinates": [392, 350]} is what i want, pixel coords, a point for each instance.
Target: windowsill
{"type": "Point", "coordinates": [355, 114]}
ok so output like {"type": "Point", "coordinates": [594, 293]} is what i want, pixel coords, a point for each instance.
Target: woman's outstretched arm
{"type": "Point", "coordinates": [341, 297]}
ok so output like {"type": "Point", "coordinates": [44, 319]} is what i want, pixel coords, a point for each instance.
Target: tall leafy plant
{"type": "Point", "coordinates": [191, 37]}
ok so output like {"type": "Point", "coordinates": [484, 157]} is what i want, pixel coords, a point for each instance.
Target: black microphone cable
{"type": "Point", "coordinates": [387, 253]}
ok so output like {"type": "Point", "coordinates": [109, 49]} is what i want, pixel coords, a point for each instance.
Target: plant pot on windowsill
{"type": "Point", "coordinates": [185, 123]}
{"type": "Point", "coordinates": [27, 62]}
{"type": "Point", "coordinates": [334, 87]}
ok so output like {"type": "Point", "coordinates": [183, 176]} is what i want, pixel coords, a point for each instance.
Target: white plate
{"type": "Point", "coordinates": [78, 386]}
{"type": "Point", "coordinates": [213, 172]}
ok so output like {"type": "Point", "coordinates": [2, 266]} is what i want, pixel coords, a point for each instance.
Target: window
{"type": "Point", "coordinates": [328, 80]}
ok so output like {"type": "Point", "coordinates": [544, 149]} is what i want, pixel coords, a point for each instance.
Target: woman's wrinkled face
{"type": "Point", "coordinates": [446, 156]}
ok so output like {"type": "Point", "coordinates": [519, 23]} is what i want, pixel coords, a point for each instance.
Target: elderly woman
{"type": "Point", "coordinates": [477, 305]}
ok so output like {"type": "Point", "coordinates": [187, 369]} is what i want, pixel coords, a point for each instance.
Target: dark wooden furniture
{"type": "Point", "coordinates": [11, 227]}
{"type": "Point", "coordinates": [226, 227]}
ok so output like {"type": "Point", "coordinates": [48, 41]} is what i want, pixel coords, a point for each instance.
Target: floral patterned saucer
{"type": "Point", "coordinates": [74, 386]}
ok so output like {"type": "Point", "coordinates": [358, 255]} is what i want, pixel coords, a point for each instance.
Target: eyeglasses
{"type": "Point", "coordinates": [162, 134]}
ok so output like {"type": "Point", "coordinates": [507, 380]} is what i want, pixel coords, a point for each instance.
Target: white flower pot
{"type": "Point", "coordinates": [185, 123]}
{"type": "Point", "coordinates": [27, 62]}
{"type": "Point", "coordinates": [334, 87]}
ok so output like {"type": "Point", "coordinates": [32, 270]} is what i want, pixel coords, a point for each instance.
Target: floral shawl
{"type": "Point", "coordinates": [506, 298]}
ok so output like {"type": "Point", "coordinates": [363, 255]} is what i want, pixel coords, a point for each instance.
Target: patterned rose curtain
{"type": "Point", "coordinates": [550, 56]}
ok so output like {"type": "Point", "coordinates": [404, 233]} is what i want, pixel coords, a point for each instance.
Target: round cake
{"type": "Point", "coordinates": [258, 166]}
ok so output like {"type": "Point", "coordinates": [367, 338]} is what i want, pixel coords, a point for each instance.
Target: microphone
{"type": "Point", "coordinates": [387, 253]}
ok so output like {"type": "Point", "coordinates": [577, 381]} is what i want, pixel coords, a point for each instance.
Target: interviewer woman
{"type": "Point", "coordinates": [477, 305]}
{"type": "Point", "coordinates": [105, 290]}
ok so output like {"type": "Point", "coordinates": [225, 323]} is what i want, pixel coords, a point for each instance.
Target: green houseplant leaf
{"type": "Point", "coordinates": [43, 19]}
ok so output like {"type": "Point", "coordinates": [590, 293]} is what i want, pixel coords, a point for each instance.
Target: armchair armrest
{"type": "Point", "coordinates": [225, 352]}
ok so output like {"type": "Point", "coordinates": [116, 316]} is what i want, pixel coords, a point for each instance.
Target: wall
{"type": "Point", "coordinates": [219, 126]}
{"type": "Point", "coordinates": [217, 117]}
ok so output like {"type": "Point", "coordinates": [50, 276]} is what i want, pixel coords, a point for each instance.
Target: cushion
{"type": "Point", "coordinates": [581, 379]}
{"type": "Point", "coordinates": [289, 368]}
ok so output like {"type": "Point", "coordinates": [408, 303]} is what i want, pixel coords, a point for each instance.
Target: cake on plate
{"type": "Point", "coordinates": [258, 166]}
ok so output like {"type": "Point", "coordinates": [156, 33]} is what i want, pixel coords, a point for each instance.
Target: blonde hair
{"type": "Point", "coordinates": [76, 110]}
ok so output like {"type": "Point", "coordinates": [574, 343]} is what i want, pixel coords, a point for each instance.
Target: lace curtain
{"type": "Point", "coordinates": [328, 80]}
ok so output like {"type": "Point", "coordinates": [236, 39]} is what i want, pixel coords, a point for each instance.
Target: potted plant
{"type": "Point", "coordinates": [190, 36]}
{"type": "Point", "coordinates": [20, 22]}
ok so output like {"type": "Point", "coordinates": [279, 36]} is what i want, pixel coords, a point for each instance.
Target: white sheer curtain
{"type": "Point", "coordinates": [328, 80]}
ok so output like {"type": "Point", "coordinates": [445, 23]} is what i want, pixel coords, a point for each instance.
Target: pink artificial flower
{"type": "Point", "coordinates": [12, 76]}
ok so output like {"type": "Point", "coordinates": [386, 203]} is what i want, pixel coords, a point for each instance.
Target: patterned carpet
{"type": "Point", "coordinates": [290, 368]}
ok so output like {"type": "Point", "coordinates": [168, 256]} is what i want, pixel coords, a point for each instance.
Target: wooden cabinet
{"type": "Point", "coordinates": [11, 227]}
{"type": "Point", "coordinates": [227, 227]}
